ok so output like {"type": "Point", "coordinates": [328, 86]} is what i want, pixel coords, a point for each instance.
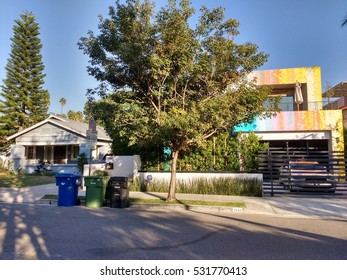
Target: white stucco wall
{"type": "Point", "coordinates": [189, 177]}
{"type": "Point", "coordinates": [123, 166]}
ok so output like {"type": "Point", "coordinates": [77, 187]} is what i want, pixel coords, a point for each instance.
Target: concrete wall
{"type": "Point", "coordinates": [123, 166]}
{"type": "Point", "coordinates": [129, 166]}
{"type": "Point", "coordinates": [189, 177]}
{"type": "Point", "coordinates": [88, 170]}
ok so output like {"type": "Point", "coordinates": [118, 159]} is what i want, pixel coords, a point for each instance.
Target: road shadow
{"type": "Point", "coordinates": [80, 233]}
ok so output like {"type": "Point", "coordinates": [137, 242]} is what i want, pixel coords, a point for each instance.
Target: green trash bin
{"type": "Point", "coordinates": [95, 190]}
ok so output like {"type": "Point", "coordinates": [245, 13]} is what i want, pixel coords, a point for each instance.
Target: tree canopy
{"type": "Point", "coordinates": [163, 81]}
{"type": "Point", "coordinates": [23, 100]}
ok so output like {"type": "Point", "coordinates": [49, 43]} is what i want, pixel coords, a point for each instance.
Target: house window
{"type": "Point", "coordinates": [60, 154]}
{"type": "Point", "coordinates": [286, 103]}
{"type": "Point", "coordinates": [35, 152]}
{"type": "Point", "coordinates": [30, 152]}
{"type": "Point", "coordinates": [40, 153]}
{"type": "Point", "coordinates": [75, 150]}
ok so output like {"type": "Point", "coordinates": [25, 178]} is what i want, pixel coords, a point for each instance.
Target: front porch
{"type": "Point", "coordinates": [57, 142]}
{"type": "Point", "coordinates": [56, 159]}
{"type": "Point", "coordinates": [57, 154]}
{"type": "Point", "coordinates": [31, 168]}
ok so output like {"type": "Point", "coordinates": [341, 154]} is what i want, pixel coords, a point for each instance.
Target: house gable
{"type": "Point", "coordinates": [68, 130]}
{"type": "Point", "coordinates": [49, 134]}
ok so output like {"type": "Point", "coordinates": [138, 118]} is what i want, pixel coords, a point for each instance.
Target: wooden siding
{"type": "Point", "coordinates": [49, 134]}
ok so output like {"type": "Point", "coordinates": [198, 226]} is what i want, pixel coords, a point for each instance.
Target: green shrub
{"type": "Point", "coordinates": [224, 153]}
{"type": "Point", "coordinates": [100, 173]}
{"type": "Point", "coordinates": [81, 161]}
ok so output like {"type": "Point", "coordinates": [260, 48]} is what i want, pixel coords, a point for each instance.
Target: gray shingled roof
{"type": "Point", "coordinates": [80, 127]}
{"type": "Point", "coordinates": [73, 126]}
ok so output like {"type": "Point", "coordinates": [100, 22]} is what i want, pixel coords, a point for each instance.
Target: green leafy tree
{"type": "Point", "coordinates": [166, 82]}
{"type": "Point", "coordinates": [248, 148]}
{"type": "Point", "coordinates": [23, 100]}
{"type": "Point", "coordinates": [224, 153]}
{"type": "Point", "coordinates": [75, 116]}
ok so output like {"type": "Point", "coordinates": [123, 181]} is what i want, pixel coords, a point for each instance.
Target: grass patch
{"type": "Point", "coordinates": [162, 201]}
{"type": "Point", "coordinates": [50, 196]}
{"type": "Point", "coordinates": [54, 196]}
{"type": "Point", "coordinates": [26, 180]}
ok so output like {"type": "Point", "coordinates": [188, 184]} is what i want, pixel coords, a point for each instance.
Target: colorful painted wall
{"type": "Point", "coordinates": [322, 120]}
{"type": "Point", "coordinates": [298, 121]}
{"type": "Point", "coordinates": [311, 76]}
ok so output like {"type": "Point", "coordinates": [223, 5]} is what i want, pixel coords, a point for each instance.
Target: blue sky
{"type": "Point", "coordinates": [295, 33]}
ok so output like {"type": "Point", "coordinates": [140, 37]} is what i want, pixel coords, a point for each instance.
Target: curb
{"type": "Point", "coordinates": [187, 207]}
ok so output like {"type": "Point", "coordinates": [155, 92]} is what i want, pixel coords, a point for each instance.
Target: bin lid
{"type": "Point", "coordinates": [66, 175]}
{"type": "Point", "coordinates": [122, 179]}
{"type": "Point", "coordinates": [96, 177]}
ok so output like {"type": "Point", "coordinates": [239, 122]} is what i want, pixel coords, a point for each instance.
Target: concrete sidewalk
{"type": "Point", "coordinates": [289, 206]}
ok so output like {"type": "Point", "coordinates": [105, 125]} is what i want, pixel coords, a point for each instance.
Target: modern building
{"type": "Point", "coordinates": [337, 99]}
{"type": "Point", "coordinates": [304, 122]}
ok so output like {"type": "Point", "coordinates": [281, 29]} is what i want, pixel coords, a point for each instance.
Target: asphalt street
{"type": "Point", "coordinates": [37, 231]}
{"type": "Point", "coordinates": [269, 228]}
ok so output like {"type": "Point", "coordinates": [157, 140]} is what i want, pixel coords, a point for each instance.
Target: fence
{"type": "Point", "coordinates": [303, 171]}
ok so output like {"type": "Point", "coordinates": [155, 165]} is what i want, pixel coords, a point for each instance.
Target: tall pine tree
{"type": "Point", "coordinates": [23, 101]}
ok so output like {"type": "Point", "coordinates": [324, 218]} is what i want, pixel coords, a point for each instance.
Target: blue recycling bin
{"type": "Point", "coordinates": [68, 188]}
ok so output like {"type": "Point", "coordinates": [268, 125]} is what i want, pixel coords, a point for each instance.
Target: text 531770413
{"type": "Point", "coordinates": [220, 270]}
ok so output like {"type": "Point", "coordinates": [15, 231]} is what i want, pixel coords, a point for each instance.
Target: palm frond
{"type": "Point", "coordinates": [344, 21]}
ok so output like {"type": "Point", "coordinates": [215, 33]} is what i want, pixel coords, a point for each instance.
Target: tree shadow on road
{"type": "Point", "coordinates": [79, 233]}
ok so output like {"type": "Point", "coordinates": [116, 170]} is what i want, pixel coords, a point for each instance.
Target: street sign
{"type": "Point", "coordinates": [91, 140]}
{"type": "Point", "coordinates": [149, 178]}
{"type": "Point", "coordinates": [91, 135]}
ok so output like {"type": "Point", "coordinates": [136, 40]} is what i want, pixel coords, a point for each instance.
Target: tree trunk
{"type": "Point", "coordinates": [172, 187]}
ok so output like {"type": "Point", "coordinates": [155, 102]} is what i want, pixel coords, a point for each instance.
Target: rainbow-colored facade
{"type": "Point", "coordinates": [305, 121]}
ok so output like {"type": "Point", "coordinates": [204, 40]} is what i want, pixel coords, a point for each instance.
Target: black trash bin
{"type": "Point", "coordinates": [117, 192]}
